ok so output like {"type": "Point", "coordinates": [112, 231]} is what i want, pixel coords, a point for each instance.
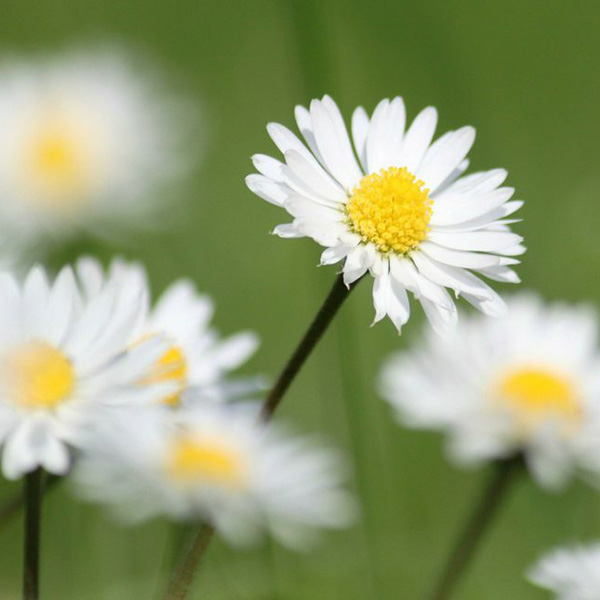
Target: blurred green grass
{"type": "Point", "coordinates": [525, 74]}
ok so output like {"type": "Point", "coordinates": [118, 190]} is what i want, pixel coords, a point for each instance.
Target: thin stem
{"type": "Point", "coordinates": [186, 569]}
{"type": "Point", "coordinates": [14, 504]}
{"type": "Point", "coordinates": [482, 516]}
{"type": "Point", "coordinates": [32, 496]}
{"type": "Point", "coordinates": [339, 292]}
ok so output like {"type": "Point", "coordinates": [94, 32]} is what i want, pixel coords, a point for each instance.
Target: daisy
{"type": "Point", "coordinates": [63, 366]}
{"type": "Point", "coordinates": [395, 204]}
{"type": "Point", "coordinates": [573, 574]}
{"type": "Point", "coordinates": [197, 361]}
{"type": "Point", "coordinates": [215, 462]}
{"type": "Point", "coordinates": [86, 143]}
{"type": "Point", "coordinates": [527, 383]}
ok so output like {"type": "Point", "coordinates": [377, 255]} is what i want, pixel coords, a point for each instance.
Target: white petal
{"type": "Point", "coordinates": [315, 178]}
{"type": "Point", "coordinates": [389, 298]}
{"type": "Point", "coordinates": [61, 305]}
{"type": "Point", "coordinates": [442, 320]}
{"type": "Point", "coordinates": [455, 278]}
{"type": "Point", "coordinates": [481, 241]}
{"type": "Point", "coordinates": [360, 130]}
{"type": "Point", "coordinates": [236, 349]}
{"type": "Point", "coordinates": [466, 260]}
{"type": "Point", "coordinates": [357, 263]}
{"type": "Point", "coordinates": [285, 140]}
{"type": "Point", "coordinates": [333, 142]}
{"type": "Point", "coordinates": [19, 455]}
{"type": "Point", "coordinates": [268, 166]}
{"type": "Point", "coordinates": [404, 271]}
{"type": "Point", "coordinates": [493, 305]}
{"type": "Point", "coordinates": [287, 230]}
{"type": "Point", "coordinates": [444, 156]}
{"type": "Point", "coordinates": [304, 123]}
{"type": "Point", "coordinates": [335, 254]}
{"type": "Point", "coordinates": [268, 190]}
{"type": "Point", "coordinates": [500, 273]}
{"type": "Point", "coordinates": [417, 139]}
{"type": "Point", "coordinates": [450, 209]}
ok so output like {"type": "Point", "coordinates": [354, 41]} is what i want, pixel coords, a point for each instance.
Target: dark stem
{"type": "Point", "coordinates": [482, 516]}
{"type": "Point", "coordinates": [14, 504]}
{"type": "Point", "coordinates": [186, 569]}
{"type": "Point", "coordinates": [339, 292]}
{"type": "Point", "coordinates": [32, 497]}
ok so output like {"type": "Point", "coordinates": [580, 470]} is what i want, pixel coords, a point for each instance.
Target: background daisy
{"type": "Point", "coordinates": [89, 141]}
{"type": "Point", "coordinates": [198, 360]}
{"type": "Point", "coordinates": [394, 203]}
{"type": "Point", "coordinates": [214, 462]}
{"type": "Point", "coordinates": [527, 383]}
{"type": "Point", "coordinates": [64, 366]}
{"type": "Point", "coordinates": [571, 573]}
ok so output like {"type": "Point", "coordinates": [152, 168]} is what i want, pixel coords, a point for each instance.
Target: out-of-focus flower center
{"type": "Point", "coordinates": [390, 209]}
{"type": "Point", "coordinates": [207, 460]}
{"type": "Point", "coordinates": [171, 367]}
{"type": "Point", "coordinates": [39, 375]}
{"type": "Point", "coordinates": [57, 164]}
{"type": "Point", "coordinates": [535, 395]}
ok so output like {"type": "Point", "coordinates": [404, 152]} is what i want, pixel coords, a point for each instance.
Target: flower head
{"type": "Point", "coordinates": [525, 383]}
{"type": "Point", "coordinates": [86, 142]}
{"type": "Point", "coordinates": [396, 205]}
{"type": "Point", "coordinates": [572, 574]}
{"type": "Point", "coordinates": [64, 364]}
{"type": "Point", "coordinates": [214, 462]}
{"type": "Point", "coordinates": [197, 360]}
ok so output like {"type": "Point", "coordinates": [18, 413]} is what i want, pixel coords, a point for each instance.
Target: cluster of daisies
{"type": "Point", "coordinates": [134, 400]}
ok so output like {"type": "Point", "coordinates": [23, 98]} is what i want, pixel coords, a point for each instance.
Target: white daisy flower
{"type": "Point", "coordinates": [63, 365]}
{"type": "Point", "coordinates": [527, 383]}
{"type": "Point", "coordinates": [400, 208]}
{"type": "Point", "coordinates": [197, 361]}
{"type": "Point", "coordinates": [573, 574]}
{"type": "Point", "coordinates": [215, 462]}
{"type": "Point", "coordinates": [86, 142]}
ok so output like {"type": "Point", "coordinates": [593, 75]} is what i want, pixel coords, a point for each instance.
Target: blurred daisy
{"type": "Point", "coordinates": [197, 360]}
{"type": "Point", "coordinates": [63, 365]}
{"type": "Point", "coordinates": [86, 142]}
{"type": "Point", "coordinates": [573, 574]}
{"type": "Point", "coordinates": [215, 462]}
{"type": "Point", "coordinates": [527, 383]}
{"type": "Point", "coordinates": [402, 210]}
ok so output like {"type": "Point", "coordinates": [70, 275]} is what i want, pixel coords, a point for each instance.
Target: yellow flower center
{"type": "Point", "coordinates": [206, 460]}
{"type": "Point", "coordinates": [40, 376]}
{"type": "Point", "coordinates": [535, 394]}
{"type": "Point", "coordinates": [390, 209]}
{"type": "Point", "coordinates": [58, 163]}
{"type": "Point", "coordinates": [170, 367]}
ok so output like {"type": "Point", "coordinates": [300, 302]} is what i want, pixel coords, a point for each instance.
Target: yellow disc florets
{"type": "Point", "coordinates": [195, 460]}
{"type": "Point", "coordinates": [40, 376]}
{"type": "Point", "coordinates": [390, 209]}
{"type": "Point", "coordinates": [534, 395]}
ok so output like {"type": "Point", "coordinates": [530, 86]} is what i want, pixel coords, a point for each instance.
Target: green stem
{"type": "Point", "coordinates": [186, 569]}
{"type": "Point", "coordinates": [13, 505]}
{"type": "Point", "coordinates": [482, 516]}
{"type": "Point", "coordinates": [32, 497]}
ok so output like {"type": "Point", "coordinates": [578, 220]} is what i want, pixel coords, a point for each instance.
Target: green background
{"type": "Point", "coordinates": [525, 73]}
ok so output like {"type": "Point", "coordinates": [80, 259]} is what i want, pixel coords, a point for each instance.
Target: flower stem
{"type": "Point", "coordinates": [482, 516]}
{"type": "Point", "coordinates": [32, 497]}
{"type": "Point", "coordinates": [14, 504]}
{"type": "Point", "coordinates": [186, 569]}
{"type": "Point", "coordinates": [338, 294]}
